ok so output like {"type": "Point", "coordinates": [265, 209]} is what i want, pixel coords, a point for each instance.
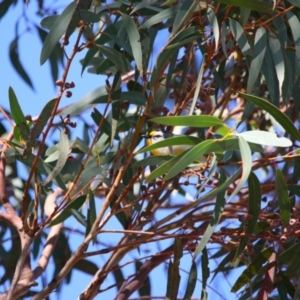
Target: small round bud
{"type": "Point", "coordinates": [66, 120]}
{"type": "Point", "coordinates": [73, 124]}
{"type": "Point", "coordinates": [28, 118]}
{"type": "Point", "coordinates": [59, 82]}
{"type": "Point", "coordinates": [72, 84]}
{"type": "Point", "coordinates": [68, 94]}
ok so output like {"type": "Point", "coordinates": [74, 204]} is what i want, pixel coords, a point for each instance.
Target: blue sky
{"type": "Point", "coordinates": [32, 102]}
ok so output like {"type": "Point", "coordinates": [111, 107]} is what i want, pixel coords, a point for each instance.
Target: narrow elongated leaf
{"type": "Point", "coordinates": [91, 214]}
{"type": "Point", "coordinates": [66, 213]}
{"type": "Point", "coordinates": [265, 138]}
{"type": "Point", "coordinates": [193, 121]}
{"type": "Point", "coordinates": [218, 210]}
{"type": "Point", "coordinates": [48, 22]}
{"type": "Point", "coordinates": [162, 16]}
{"type": "Point", "coordinates": [279, 116]}
{"type": "Point", "coordinates": [260, 44]}
{"type": "Point", "coordinates": [14, 56]}
{"type": "Point", "coordinates": [255, 5]}
{"type": "Point", "coordinates": [205, 273]}
{"type": "Point", "coordinates": [295, 25]}
{"type": "Point", "coordinates": [120, 61]}
{"type": "Point", "coordinates": [57, 30]}
{"type": "Point", "coordinates": [253, 210]}
{"type": "Point", "coordinates": [277, 57]}
{"type": "Point", "coordinates": [41, 121]}
{"type": "Point", "coordinates": [98, 95]}
{"type": "Point", "coordinates": [189, 157]}
{"type": "Point", "coordinates": [15, 107]}
{"type": "Point", "coordinates": [63, 149]}
{"type": "Point", "coordinates": [135, 41]}
{"type": "Point", "coordinates": [269, 72]}
{"type": "Point", "coordinates": [283, 197]}
{"type": "Point", "coordinates": [240, 36]}
{"type": "Point", "coordinates": [198, 87]}
{"type": "Point", "coordinates": [215, 26]}
{"type": "Point", "coordinates": [191, 284]}
{"type": "Point", "coordinates": [252, 269]}
{"type": "Point", "coordinates": [185, 10]}
{"type": "Point", "coordinates": [246, 164]}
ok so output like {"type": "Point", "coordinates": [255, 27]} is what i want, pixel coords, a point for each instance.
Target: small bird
{"type": "Point", "coordinates": [160, 135]}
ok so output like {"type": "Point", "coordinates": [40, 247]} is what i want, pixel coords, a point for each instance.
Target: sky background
{"type": "Point", "coordinates": [32, 102]}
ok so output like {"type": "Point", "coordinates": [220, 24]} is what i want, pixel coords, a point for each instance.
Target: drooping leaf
{"type": "Point", "coordinates": [218, 210]}
{"type": "Point", "coordinates": [15, 108]}
{"type": "Point", "coordinates": [259, 50]}
{"type": "Point", "coordinates": [279, 116]}
{"type": "Point", "coordinates": [253, 210]}
{"type": "Point", "coordinates": [66, 213]}
{"type": "Point", "coordinates": [255, 5]}
{"type": "Point", "coordinates": [191, 284]}
{"type": "Point", "coordinates": [14, 56]}
{"type": "Point", "coordinates": [57, 30]}
{"type": "Point", "coordinates": [135, 41]}
{"type": "Point", "coordinates": [265, 138]}
{"type": "Point", "coordinates": [282, 196]}
{"type": "Point", "coordinates": [63, 149]}
{"type": "Point", "coordinates": [240, 36]}
{"type": "Point", "coordinates": [252, 269]}
{"type": "Point", "coordinates": [185, 10]}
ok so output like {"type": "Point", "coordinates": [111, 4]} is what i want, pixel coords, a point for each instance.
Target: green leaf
{"type": "Point", "coordinates": [135, 41]}
{"type": "Point", "coordinates": [63, 150]}
{"type": "Point", "coordinates": [198, 87]}
{"type": "Point", "coordinates": [283, 196]}
{"type": "Point", "coordinates": [41, 122]}
{"type": "Point", "coordinates": [89, 16]}
{"type": "Point", "coordinates": [172, 141]}
{"type": "Point", "coordinates": [185, 10]}
{"type": "Point", "coordinates": [260, 44]}
{"type": "Point", "coordinates": [189, 121]}
{"type": "Point", "coordinates": [205, 272]}
{"type": "Point", "coordinates": [213, 20]}
{"type": "Point", "coordinates": [265, 138]}
{"type": "Point", "coordinates": [246, 165]}
{"type": "Point", "coordinates": [86, 177]}
{"type": "Point", "coordinates": [91, 213]}
{"type": "Point", "coordinates": [15, 108]}
{"type": "Point", "coordinates": [277, 57]}
{"type": "Point", "coordinates": [14, 56]}
{"type": "Point", "coordinates": [218, 210]}
{"type": "Point", "coordinates": [98, 95]}
{"type": "Point", "coordinates": [66, 213]}
{"type": "Point", "coordinates": [189, 157]}
{"type": "Point", "coordinates": [120, 61]}
{"type": "Point", "coordinates": [279, 116]}
{"type": "Point", "coordinates": [153, 161]}
{"type": "Point", "coordinates": [240, 36]}
{"type": "Point", "coordinates": [191, 284]}
{"type": "Point", "coordinates": [253, 210]}
{"type": "Point", "coordinates": [252, 269]}
{"type": "Point", "coordinates": [255, 5]}
{"type": "Point", "coordinates": [295, 25]}
{"type": "Point", "coordinates": [57, 30]}
{"type": "Point", "coordinates": [161, 16]}
{"type": "Point", "coordinates": [48, 22]}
